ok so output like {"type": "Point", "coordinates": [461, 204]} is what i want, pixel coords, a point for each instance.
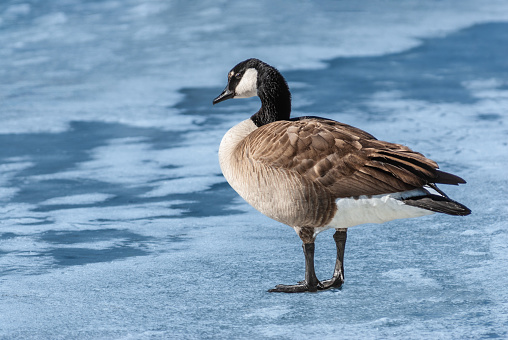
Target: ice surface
{"type": "Point", "coordinates": [77, 199]}
{"type": "Point", "coordinates": [116, 222]}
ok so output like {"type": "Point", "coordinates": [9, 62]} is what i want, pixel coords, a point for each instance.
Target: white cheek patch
{"type": "Point", "coordinates": [247, 87]}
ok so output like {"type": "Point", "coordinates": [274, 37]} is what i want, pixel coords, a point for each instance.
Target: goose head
{"type": "Point", "coordinates": [252, 77]}
{"type": "Point", "coordinates": [242, 81]}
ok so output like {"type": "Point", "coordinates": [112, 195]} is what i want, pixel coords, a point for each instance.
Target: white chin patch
{"type": "Point", "coordinates": [247, 87]}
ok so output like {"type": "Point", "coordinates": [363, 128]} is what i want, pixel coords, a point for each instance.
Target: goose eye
{"type": "Point", "coordinates": [238, 75]}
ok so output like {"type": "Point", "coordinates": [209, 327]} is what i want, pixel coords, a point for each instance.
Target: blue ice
{"type": "Point", "coordinates": [116, 222]}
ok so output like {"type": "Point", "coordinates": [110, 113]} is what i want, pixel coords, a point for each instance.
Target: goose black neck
{"type": "Point", "coordinates": [275, 97]}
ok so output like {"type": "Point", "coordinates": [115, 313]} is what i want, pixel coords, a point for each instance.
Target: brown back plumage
{"type": "Point", "coordinates": [347, 161]}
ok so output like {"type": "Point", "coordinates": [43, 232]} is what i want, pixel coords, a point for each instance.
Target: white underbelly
{"type": "Point", "coordinates": [375, 209]}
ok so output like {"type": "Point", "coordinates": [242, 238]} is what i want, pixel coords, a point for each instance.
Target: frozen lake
{"type": "Point", "coordinates": [116, 222]}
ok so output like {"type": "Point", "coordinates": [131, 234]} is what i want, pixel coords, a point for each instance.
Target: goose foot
{"type": "Point", "coordinates": [334, 282]}
{"type": "Point", "coordinates": [311, 282]}
{"type": "Point", "coordinates": [337, 279]}
{"type": "Point", "coordinates": [300, 287]}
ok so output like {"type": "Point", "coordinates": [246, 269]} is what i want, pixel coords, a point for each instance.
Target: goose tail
{"type": "Point", "coordinates": [437, 203]}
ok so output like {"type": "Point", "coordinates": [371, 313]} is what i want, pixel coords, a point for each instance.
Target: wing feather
{"type": "Point", "coordinates": [344, 159]}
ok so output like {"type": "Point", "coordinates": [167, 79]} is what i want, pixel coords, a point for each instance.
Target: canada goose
{"type": "Point", "coordinates": [314, 173]}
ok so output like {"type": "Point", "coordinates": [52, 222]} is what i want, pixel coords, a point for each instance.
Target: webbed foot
{"type": "Point", "coordinates": [334, 282]}
{"type": "Point", "coordinates": [300, 287]}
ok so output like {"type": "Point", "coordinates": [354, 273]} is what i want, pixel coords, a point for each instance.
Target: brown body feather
{"type": "Point", "coordinates": [347, 161]}
{"type": "Point", "coordinates": [294, 170]}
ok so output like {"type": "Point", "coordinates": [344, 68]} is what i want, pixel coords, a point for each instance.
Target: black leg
{"type": "Point", "coordinates": [337, 279]}
{"type": "Point", "coordinates": [311, 283]}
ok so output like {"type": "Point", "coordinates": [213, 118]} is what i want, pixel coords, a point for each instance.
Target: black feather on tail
{"type": "Point", "coordinates": [447, 178]}
{"type": "Point", "coordinates": [438, 204]}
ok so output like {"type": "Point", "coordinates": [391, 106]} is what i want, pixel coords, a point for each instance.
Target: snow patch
{"type": "Point", "coordinates": [78, 199]}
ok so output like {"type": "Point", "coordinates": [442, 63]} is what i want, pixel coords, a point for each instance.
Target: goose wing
{"type": "Point", "coordinates": [346, 160]}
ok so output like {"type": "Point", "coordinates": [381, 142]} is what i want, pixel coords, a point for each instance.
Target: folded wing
{"type": "Point", "coordinates": [347, 161]}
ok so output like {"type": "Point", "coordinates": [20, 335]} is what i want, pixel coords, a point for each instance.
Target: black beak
{"type": "Point", "coordinates": [225, 95]}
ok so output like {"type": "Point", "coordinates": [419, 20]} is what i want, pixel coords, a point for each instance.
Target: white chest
{"type": "Point", "coordinates": [228, 151]}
